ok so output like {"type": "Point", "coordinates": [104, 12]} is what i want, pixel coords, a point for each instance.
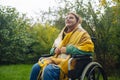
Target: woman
{"type": "Point", "coordinates": [73, 39]}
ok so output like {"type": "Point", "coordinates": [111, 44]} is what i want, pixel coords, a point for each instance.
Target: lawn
{"type": "Point", "coordinates": [22, 72]}
{"type": "Point", "coordinates": [15, 72]}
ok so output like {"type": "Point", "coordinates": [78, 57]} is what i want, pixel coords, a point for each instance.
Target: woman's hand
{"type": "Point", "coordinates": [63, 50]}
{"type": "Point", "coordinates": [57, 51]}
{"type": "Point", "coordinates": [60, 50]}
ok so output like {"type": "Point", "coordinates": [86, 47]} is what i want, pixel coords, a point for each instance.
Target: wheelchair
{"type": "Point", "coordinates": [85, 68]}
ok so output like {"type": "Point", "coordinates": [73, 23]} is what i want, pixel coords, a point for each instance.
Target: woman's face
{"type": "Point", "coordinates": [70, 20]}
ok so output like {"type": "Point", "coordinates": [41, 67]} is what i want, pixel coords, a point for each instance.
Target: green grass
{"type": "Point", "coordinates": [15, 72]}
{"type": "Point", "coordinates": [22, 72]}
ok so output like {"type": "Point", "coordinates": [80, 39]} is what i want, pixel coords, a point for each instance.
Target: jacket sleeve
{"type": "Point", "coordinates": [52, 51]}
{"type": "Point", "coordinates": [70, 49]}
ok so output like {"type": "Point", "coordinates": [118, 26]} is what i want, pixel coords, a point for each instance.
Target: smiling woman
{"type": "Point", "coordinates": [29, 7]}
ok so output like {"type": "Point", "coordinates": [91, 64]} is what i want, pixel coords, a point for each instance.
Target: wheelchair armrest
{"type": "Point", "coordinates": [81, 56]}
{"type": "Point", "coordinates": [46, 55]}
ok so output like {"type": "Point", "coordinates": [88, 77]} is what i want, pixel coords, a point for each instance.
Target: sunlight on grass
{"type": "Point", "coordinates": [15, 72]}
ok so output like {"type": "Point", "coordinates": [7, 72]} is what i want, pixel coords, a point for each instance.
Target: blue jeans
{"type": "Point", "coordinates": [51, 72]}
{"type": "Point", "coordinates": [35, 72]}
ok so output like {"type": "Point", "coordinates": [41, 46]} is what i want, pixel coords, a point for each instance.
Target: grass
{"type": "Point", "coordinates": [22, 72]}
{"type": "Point", "coordinates": [15, 72]}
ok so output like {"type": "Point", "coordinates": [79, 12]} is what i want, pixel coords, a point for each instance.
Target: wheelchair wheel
{"type": "Point", "coordinates": [93, 71]}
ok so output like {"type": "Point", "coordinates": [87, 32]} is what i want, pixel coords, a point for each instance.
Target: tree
{"type": "Point", "coordinates": [14, 39]}
{"type": "Point", "coordinates": [44, 36]}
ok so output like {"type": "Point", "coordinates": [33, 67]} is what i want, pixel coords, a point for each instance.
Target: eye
{"type": "Point", "coordinates": [71, 17]}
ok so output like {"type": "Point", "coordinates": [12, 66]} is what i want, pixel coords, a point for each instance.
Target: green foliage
{"type": "Point", "coordinates": [20, 43]}
{"type": "Point", "coordinates": [115, 31]}
{"type": "Point", "coordinates": [44, 36]}
{"type": "Point", "coordinates": [14, 39]}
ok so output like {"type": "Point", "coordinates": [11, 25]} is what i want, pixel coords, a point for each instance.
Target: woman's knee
{"type": "Point", "coordinates": [51, 72]}
{"type": "Point", "coordinates": [36, 67]}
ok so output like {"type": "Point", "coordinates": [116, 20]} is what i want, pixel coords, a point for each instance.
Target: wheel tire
{"type": "Point", "coordinates": [89, 73]}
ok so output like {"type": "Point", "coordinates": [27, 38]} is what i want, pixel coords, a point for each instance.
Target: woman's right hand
{"type": "Point", "coordinates": [57, 51]}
